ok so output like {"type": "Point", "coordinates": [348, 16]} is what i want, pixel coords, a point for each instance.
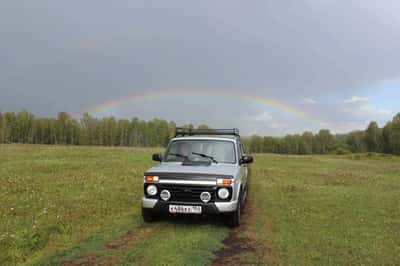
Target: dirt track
{"type": "Point", "coordinates": [118, 248]}
{"type": "Point", "coordinates": [240, 245]}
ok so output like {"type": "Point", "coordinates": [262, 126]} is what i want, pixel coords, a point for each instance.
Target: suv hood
{"type": "Point", "coordinates": [177, 167]}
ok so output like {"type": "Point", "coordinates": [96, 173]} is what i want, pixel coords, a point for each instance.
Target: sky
{"type": "Point", "coordinates": [266, 67]}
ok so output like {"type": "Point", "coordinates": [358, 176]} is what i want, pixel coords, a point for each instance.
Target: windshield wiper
{"type": "Point", "coordinates": [205, 156]}
{"type": "Point", "coordinates": [180, 155]}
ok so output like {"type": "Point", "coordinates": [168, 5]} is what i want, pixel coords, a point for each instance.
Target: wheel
{"type": "Point", "coordinates": [233, 219]}
{"type": "Point", "coordinates": [148, 216]}
{"type": "Point", "coordinates": [244, 198]}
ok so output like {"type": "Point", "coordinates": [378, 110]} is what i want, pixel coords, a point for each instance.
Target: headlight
{"type": "Point", "coordinates": [223, 193]}
{"type": "Point", "coordinates": [151, 190]}
{"type": "Point", "coordinates": [165, 195]}
{"type": "Point", "coordinates": [205, 196]}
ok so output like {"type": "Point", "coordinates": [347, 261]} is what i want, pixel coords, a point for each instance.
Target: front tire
{"type": "Point", "coordinates": [148, 216]}
{"type": "Point", "coordinates": [233, 219]}
{"type": "Point", "coordinates": [244, 197]}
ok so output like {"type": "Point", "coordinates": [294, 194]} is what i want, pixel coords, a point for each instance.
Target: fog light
{"type": "Point", "coordinates": [151, 190]}
{"type": "Point", "coordinates": [205, 196]}
{"type": "Point", "coordinates": [223, 193]}
{"type": "Point", "coordinates": [165, 195]}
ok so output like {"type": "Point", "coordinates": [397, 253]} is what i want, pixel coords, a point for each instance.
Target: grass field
{"type": "Point", "coordinates": [81, 205]}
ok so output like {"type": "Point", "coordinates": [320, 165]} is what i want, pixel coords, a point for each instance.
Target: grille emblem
{"type": "Point", "coordinates": [187, 190]}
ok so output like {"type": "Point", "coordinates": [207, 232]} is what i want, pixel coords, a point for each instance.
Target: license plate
{"type": "Point", "coordinates": [184, 209]}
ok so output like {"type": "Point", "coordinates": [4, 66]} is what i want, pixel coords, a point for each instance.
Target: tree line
{"type": "Point", "coordinates": [24, 127]}
{"type": "Point", "coordinates": [372, 139]}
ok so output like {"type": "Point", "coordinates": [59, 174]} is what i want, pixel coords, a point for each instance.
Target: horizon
{"type": "Point", "coordinates": [78, 118]}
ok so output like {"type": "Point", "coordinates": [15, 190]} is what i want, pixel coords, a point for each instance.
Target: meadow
{"type": "Point", "coordinates": [80, 205]}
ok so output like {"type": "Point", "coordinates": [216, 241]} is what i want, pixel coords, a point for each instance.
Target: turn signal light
{"type": "Point", "coordinates": [151, 178]}
{"type": "Point", "coordinates": [223, 181]}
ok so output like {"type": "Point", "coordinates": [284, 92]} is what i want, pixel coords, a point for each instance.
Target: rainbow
{"type": "Point", "coordinates": [270, 102]}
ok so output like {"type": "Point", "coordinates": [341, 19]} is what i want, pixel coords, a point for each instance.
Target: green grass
{"type": "Point", "coordinates": [327, 210]}
{"type": "Point", "coordinates": [53, 197]}
{"type": "Point", "coordinates": [65, 203]}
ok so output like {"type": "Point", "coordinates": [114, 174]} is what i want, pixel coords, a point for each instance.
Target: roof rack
{"type": "Point", "coordinates": [180, 131]}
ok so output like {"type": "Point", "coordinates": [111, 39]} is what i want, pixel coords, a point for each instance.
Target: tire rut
{"type": "Point", "coordinates": [116, 249]}
{"type": "Point", "coordinates": [241, 241]}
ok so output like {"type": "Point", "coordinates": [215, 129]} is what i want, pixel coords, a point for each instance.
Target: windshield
{"type": "Point", "coordinates": [217, 151]}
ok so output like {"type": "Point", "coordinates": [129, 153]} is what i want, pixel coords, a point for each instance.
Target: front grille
{"type": "Point", "coordinates": [185, 193]}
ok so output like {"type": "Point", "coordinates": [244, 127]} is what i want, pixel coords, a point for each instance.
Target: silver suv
{"type": "Point", "coordinates": [203, 171]}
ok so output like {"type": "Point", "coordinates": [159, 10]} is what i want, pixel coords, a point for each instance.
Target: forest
{"type": "Point", "coordinates": [24, 127]}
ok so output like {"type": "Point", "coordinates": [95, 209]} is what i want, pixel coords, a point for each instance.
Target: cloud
{"type": "Point", "coordinates": [278, 125]}
{"type": "Point", "coordinates": [263, 117]}
{"type": "Point", "coordinates": [309, 100]}
{"type": "Point", "coordinates": [344, 126]}
{"type": "Point", "coordinates": [370, 111]}
{"type": "Point", "coordinates": [356, 99]}
{"type": "Point", "coordinates": [360, 108]}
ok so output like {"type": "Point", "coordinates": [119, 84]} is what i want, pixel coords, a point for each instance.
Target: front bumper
{"type": "Point", "coordinates": [207, 208]}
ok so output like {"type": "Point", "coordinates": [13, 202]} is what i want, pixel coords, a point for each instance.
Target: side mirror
{"type": "Point", "coordinates": [157, 157]}
{"type": "Point", "coordinates": [246, 159]}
